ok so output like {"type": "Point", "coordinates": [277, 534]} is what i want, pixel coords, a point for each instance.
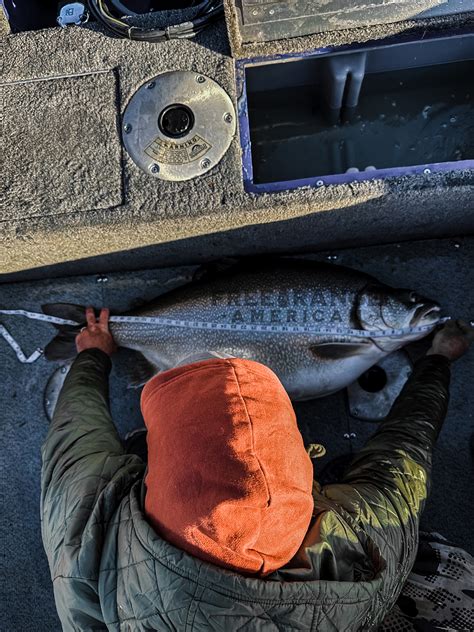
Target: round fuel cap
{"type": "Point", "coordinates": [178, 125]}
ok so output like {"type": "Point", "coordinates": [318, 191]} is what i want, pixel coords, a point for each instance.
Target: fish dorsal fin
{"type": "Point", "coordinates": [213, 269]}
{"type": "Point", "coordinates": [338, 350]}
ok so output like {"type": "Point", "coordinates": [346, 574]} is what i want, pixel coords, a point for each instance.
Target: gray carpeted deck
{"type": "Point", "coordinates": [441, 269]}
{"type": "Point", "coordinates": [70, 191]}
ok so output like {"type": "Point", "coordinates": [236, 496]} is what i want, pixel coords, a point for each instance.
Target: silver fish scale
{"type": "Point", "coordinates": [267, 298]}
{"type": "Point", "coordinates": [276, 316]}
{"type": "Point", "coordinates": [287, 295]}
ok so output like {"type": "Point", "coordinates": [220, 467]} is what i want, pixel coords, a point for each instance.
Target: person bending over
{"type": "Point", "coordinates": [224, 528]}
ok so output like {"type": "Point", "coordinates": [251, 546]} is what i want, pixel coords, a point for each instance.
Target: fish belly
{"type": "Point", "coordinates": [287, 295]}
{"type": "Point", "coordinates": [303, 375]}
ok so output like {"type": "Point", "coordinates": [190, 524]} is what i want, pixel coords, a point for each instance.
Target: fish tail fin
{"type": "Point", "coordinates": [63, 346]}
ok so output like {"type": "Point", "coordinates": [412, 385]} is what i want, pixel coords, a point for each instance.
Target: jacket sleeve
{"type": "Point", "coordinates": [85, 475]}
{"type": "Point", "coordinates": [386, 486]}
{"type": "Point", "coordinates": [411, 429]}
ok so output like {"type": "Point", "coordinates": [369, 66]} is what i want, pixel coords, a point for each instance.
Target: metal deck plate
{"type": "Point", "coordinates": [179, 125]}
{"type": "Point", "coordinates": [375, 404]}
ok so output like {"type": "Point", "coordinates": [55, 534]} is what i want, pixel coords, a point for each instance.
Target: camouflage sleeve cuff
{"type": "Point", "coordinates": [100, 356]}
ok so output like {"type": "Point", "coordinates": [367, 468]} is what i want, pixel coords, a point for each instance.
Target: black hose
{"type": "Point", "coordinates": [211, 11]}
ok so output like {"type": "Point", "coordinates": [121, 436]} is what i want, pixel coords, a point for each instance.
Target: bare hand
{"type": "Point", "coordinates": [453, 340]}
{"type": "Point", "coordinates": [96, 335]}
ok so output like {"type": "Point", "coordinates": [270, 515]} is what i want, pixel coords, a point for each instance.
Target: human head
{"type": "Point", "coordinates": [229, 480]}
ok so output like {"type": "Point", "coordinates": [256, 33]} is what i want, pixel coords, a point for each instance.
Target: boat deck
{"type": "Point", "coordinates": [441, 269]}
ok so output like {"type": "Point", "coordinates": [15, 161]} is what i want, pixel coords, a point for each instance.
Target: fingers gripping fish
{"type": "Point", "coordinates": [286, 292]}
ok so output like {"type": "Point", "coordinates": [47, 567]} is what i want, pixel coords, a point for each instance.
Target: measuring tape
{"type": "Point", "coordinates": [17, 349]}
{"type": "Point", "coordinates": [211, 326]}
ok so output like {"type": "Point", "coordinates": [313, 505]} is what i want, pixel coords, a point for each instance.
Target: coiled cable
{"type": "Point", "coordinates": [209, 12]}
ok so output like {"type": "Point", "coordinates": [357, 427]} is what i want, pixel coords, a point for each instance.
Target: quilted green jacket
{"type": "Point", "coordinates": [112, 571]}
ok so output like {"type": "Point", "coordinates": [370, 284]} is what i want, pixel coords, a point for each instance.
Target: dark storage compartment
{"type": "Point", "coordinates": [357, 114]}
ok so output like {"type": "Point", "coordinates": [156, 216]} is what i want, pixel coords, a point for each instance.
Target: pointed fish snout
{"type": "Point", "coordinates": [427, 313]}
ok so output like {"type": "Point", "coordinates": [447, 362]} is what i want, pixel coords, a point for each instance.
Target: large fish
{"type": "Point", "coordinates": [285, 292]}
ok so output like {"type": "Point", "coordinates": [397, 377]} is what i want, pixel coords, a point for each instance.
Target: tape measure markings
{"type": "Point", "coordinates": [204, 325]}
{"type": "Point", "coordinates": [36, 316]}
{"type": "Point", "coordinates": [18, 350]}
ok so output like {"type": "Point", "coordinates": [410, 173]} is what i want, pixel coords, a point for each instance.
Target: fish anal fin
{"type": "Point", "coordinates": [337, 350]}
{"type": "Point", "coordinates": [141, 371]}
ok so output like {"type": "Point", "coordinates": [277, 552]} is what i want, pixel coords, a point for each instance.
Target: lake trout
{"type": "Point", "coordinates": [286, 292]}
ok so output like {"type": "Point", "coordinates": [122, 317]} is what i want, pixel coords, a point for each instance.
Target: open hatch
{"type": "Point", "coordinates": [355, 113]}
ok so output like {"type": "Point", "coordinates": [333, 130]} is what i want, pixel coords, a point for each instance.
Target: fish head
{"type": "Point", "coordinates": [381, 307]}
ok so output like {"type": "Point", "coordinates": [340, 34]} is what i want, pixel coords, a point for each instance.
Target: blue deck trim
{"type": "Point", "coordinates": [334, 179]}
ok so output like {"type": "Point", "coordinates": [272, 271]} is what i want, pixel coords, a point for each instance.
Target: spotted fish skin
{"type": "Point", "coordinates": [289, 292]}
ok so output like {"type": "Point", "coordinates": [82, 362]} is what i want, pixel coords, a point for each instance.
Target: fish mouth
{"type": "Point", "coordinates": [426, 314]}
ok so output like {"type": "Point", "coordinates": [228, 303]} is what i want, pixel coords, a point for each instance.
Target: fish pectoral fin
{"type": "Point", "coordinates": [337, 350]}
{"type": "Point", "coordinates": [141, 371]}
